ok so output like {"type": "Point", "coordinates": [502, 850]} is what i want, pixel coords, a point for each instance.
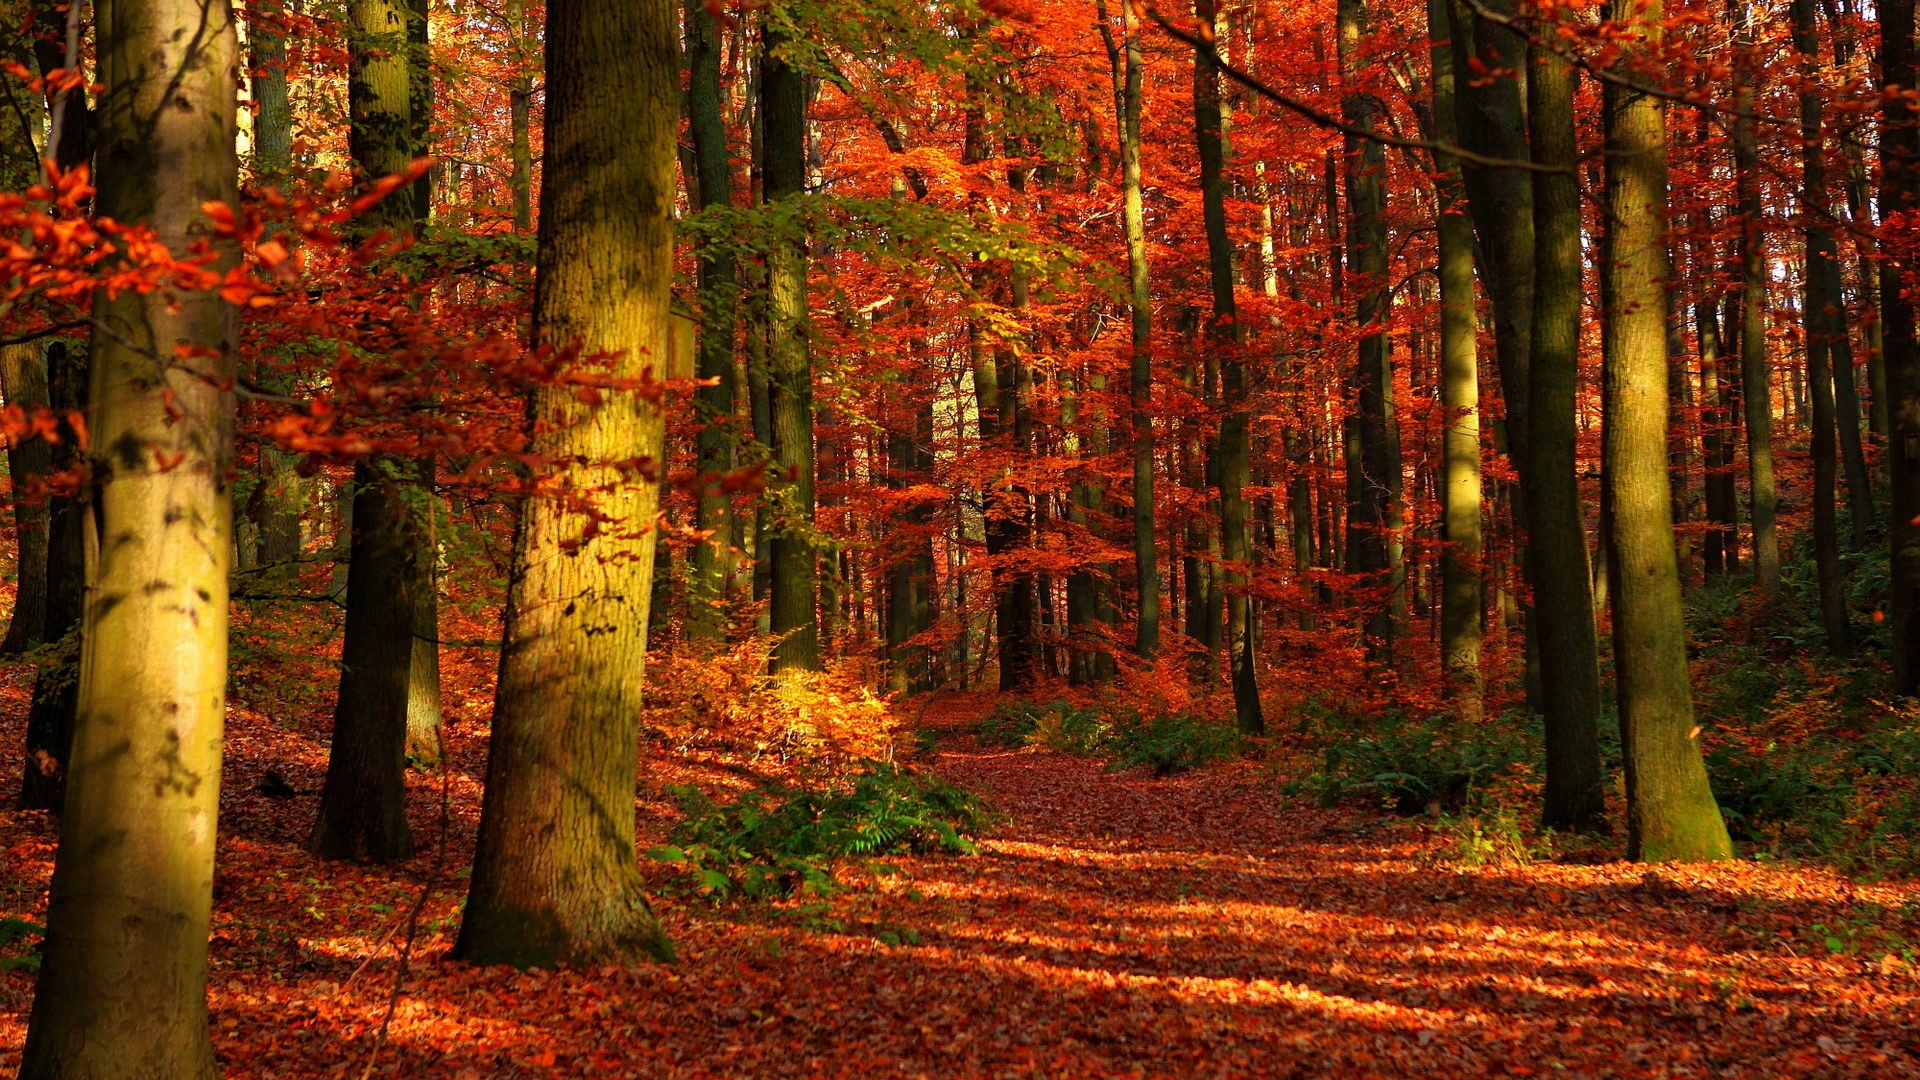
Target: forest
{"type": "Point", "coordinates": [959, 538]}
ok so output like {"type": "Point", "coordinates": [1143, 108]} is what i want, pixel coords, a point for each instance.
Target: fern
{"type": "Point", "coordinates": [779, 841]}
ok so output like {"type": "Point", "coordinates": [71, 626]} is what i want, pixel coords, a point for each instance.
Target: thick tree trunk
{"type": "Point", "coordinates": [707, 585]}
{"type": "Point", "coordinates": [795, 562]}
{"type": "Point", "coordinates": [1671, 815]}
{"type": "Point", "coordinates": [1557, 542]}
{"type": "Point", "coordinates": [362, 811]}
{"type": "Point", "coordinates": [555, 878]}
{"type": "Point", "coordinates": [122, 993]}
{"type": "Point", "coordinates": [23, 383]}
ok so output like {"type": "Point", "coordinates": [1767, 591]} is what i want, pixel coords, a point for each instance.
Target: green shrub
{"type": "Point", "coordinates": [1011, 723]}
{"type": "Point", "coordinates": [15, 932]}
{"type": "Point", "coordinates": [777, 841]}
{"type": "Point", "coordinates": [1410, 765]}
{"type": "Point", "coordinates": [1171, 743]}
{"type": "Point", "coordinates": [1167, 743]}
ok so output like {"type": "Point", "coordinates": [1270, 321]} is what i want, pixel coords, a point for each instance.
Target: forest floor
{"type": "Point", "coordinates": [1115, 924]}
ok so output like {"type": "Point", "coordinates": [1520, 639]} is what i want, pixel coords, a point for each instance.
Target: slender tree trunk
{"type": "Point", "coordinates": [51, 716]}
{"type": "Point", "coordinates": [1671, 815]}
{"type": "Point", "coordinates": [794, 560]}
{"type": "Point", "coordinates": [1821, 324]}
{"type": "Point", "coordinates": [1460, 592]}
{"type": "Point", "coordinates": [554, 876]}
{"type": "Point", "coordinates": [1756, 384]}
{"type": "Point", "coordinates": [712, 184]}
{"type": "Point", "coordinates": [1557, 542]}
{"type": "Point", "coordinates": [1899, 186]}
{"type": "Point", "coordinates": [1234, 448]}
{"type": "Point", "coordinates": [1369, 488]}
{"type": "Point", "coordinates": [122, 993]}
{"type": "Point", "coordinates": [23, 382]}
{"type": "Point", "coordinates": [909, 611]}
{"type": "Point", "coordinates": [363, 801]}
{"type": "Point", "coordinates": [1493, 121]}
{"type": "Point", "coordinates": [520, 118]}
{"type": "Point", "coordinates": [1127, 78]}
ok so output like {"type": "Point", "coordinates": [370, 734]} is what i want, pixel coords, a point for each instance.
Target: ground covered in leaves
{"type": "Point", "coordinates": [1115, 924]}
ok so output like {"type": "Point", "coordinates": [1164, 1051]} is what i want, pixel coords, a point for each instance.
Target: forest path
{"type": "Point", "coordinates": [1114, 925]}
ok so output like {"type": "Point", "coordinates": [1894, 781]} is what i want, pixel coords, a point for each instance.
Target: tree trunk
{"type": "Point", "coordinates": [1557, 542]}
{"type": "Point", "coordinates": [122, 993]}
{"type": "Point", "coordinates": [1492, 120]}
{"type": "Point", "coordinates": [1127, 78]}
{"type": "Point", "coordinates": [1756, 384]}
{"type": "Point", "coordinates": [795, 562]}
{"type": "Point", "coordinates": [1234, 449]}
{"type": "Point", "coordinates": [1899, 181]}
{"type": "Point", "coordinates": [1369, 488]}
{"type": "Point", "coordinates": [1821, 325]}
{"type": "Point", "coordinates": [712, 187]}
{"type": "Point", "coordinates": [555, 877]}
{"type": "Point", "coordinates": [23, 382]}
{"type": "Point", "coordinates": [1671, 815]}
{"type": "Point", "coordinates": [50, 718]}
{"type": "Point", "coordinates": [362, 811]}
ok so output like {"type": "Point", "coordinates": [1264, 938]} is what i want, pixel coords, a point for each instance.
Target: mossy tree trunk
{"type": "Point", "coordinates": [1671, 815]}
{"type": "Point", "coordinates": [555, 877]}
{"type": "Point", "coordinates": [122, 993]}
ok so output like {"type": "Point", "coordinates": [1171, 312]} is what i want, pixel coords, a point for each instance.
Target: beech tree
{"type": "Point", "coordinates": [555, 877]}
{"type": "Point", "coordinates": [1671, 814]}
{"type": "Point", "coordinates": [122, 992]}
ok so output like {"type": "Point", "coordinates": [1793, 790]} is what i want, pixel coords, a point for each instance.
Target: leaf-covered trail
{"type": "Point", "coordinates": [1115, 925]}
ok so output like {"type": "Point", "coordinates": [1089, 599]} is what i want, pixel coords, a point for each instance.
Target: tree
{"type": "Point", "coordinates": [1372, 464]}
{"type": "Point", "coordinates": [363, 813]}
{"type": "Point", "coordinates": [1899, 192]}
{"type": "Point", "coordinates": [1756, 384]}
{"type": "Point", "coordinates": [1461, 600]}
{"type": "Point", "coordinates": [555, 877]}
{"type": "Point", "coordinates": [23, 382]}
{"type": "Point", "coordinates": [712, 187]}
{"type": "Point", "coordinates": [1822, 327]}
{"type": "Point", "coordinates": [1557, 536]}
{"type": "Point", "coordinates": [795, 561]}
{"type": "Point", "coordinates": [1233, 450]}
{"type": "Point", "coordinates": [1123, 59]}
{"type": "Point", "coordinates": [122, 992]}
{"type": "Point", "coordinates": [1671, 815]}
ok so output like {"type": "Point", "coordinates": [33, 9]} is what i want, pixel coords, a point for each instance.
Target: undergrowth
{"type": "Point", "coordinates": [779, 841]}
{"type": "Point", "coordinates": [1167, 743]}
